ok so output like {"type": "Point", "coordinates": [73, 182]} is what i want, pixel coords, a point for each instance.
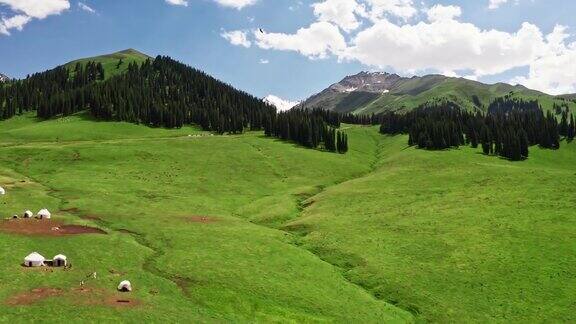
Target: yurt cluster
{"type": "Point", "coordinates": [35, 259]}
{"type": "Point", "coordinates": [42, 214]}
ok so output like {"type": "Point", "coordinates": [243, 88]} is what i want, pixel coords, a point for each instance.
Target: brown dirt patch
{"type": "Point", "coordinates": [202, 219]}
{"type": "Point", "coordinates": [37, 227]}
{"type": "Point", "coordinates": [99, 297]}
{"type": "Point", "coordinates": [33, 296]}
{"type": "Point", "coordinates": [78, 296]}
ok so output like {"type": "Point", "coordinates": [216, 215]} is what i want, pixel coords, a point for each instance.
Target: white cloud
{"type": "Point", "coordinates": [296, 6]}
{"type": "Point", "coordinates": [183, 3]}
{"type": "Point", "coordinates": [26, 10]}
{"type": "Point", "coordinates": [237, 37]}
{"type": "Point", "coordinates": [317, 41]}
{"type": "Point", "coordinates": [16, 22]}
{"type": "Point", "coordinates": [279, 103]}
{"type": "Point", "coordinates": [440, 12]}
{"type": "Point", "coordinates": [495, 4]}
{"type": "Point", "coordinates": [339, 12]}
{"type": "Point", "coordinates": [441, 43]}
{"type": "Point", "coordinates": [554, 71]}
{"type": "Point", "coordinates": [86, 7]}
{"type": "Point", "coordinates": [264, 61]}
{"type": "Point", "coordinates": [446, 45]}
{"type": "Point", "coordinates": [377, 9]}
{"type": "Point", "coordinates": [237, 4]}
{"type": "Point", "coordinates": [39, 9]}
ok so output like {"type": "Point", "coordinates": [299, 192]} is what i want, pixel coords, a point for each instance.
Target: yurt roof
{"type": "Point", "coordinates": [2, 191]}
{"type": "Point", "coordinates": [125, 284]}
{"type": "Point", "coordinates": [44, 212]}
{"type": "Point", "coordinates": [35, 257]}
{"type": "Point", "coordinates": [60, 257]}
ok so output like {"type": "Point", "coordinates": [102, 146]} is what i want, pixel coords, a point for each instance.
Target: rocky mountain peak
{"type": "Point", "coordinates": [373, 82]}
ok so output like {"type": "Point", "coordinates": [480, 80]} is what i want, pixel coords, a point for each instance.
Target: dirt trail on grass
{"type": "Point", "coordinates": [80, 296]}
{"type": "Point", "coordinates": [35, 227]}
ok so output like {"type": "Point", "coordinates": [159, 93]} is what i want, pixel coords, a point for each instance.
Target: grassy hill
{"type": "Point", "coordinates": [246, 228]}
{"type": "Point", "coordinates": [110, 61]}
{"type": "Point", "coordinates": [408, 93]}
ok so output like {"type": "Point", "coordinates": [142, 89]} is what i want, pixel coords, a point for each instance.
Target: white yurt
{"type": "Point", "coordinates": [44, 214]}
{"type": "Point", "coordinates": [59, 261]}
{"type": "Point", "coordinates": [125, 286]}
{"type": "Point", "coordinates": [2, 191]}
{"type": "Point", "coordinates": [28, 214]}
{"type": "Point", "coordinates": [34, 259]}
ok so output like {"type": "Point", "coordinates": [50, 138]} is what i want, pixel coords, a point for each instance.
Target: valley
{"type": "Point", "coordinates": [383, 233]}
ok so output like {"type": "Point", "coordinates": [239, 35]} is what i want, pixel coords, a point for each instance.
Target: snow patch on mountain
{"type": "Point", "coordinates": [279, 103]}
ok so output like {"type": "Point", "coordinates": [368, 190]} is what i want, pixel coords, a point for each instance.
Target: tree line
{"type": "Point", "coordinates": [310, 128]}
{"type": "Point", "coordinates": [507, 129]}
{"type": "Point", "coordinates": [158, 93]}
{"type": "Point", "coordinates": [165, 93]}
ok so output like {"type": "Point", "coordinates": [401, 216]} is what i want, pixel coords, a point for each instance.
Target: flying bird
{"type": "Point", "coordinates": [262, 31]}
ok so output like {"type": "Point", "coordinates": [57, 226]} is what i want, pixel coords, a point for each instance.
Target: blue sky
{"type": "Point", "coordinates": [337, 38]}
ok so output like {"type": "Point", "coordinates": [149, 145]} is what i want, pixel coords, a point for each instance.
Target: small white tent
{"type": "Point", "coordinates": [28, 214]}
{"type": "Point", "coordinates": [59, 261]}
{"type": "Point", "coordinates": [2, 191]}
{"type": "Point", "coordinates": [34, 260]}
{"type": "Point", "coordinates": [44, 214]}
{"type": "Point", "coordinates": [125, 286]}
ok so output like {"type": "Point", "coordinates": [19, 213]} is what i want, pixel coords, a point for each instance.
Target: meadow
{"type": "Point", "coordinates": [246, 228]}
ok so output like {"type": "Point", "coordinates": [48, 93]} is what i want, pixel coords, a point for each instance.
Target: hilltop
{"type": "Point", "coordinates": [110, 61]}
{"type": "Point", "coordinates": [374, 92]}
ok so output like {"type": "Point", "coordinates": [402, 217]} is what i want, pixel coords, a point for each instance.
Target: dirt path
{"type": "Point", "coordinates": [36, 227]}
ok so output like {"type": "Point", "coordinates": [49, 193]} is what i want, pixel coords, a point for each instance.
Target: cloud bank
{"type": "Point", "coordinates": [25, 11]}
{"type": "Point", "coordinates": [386, 34]}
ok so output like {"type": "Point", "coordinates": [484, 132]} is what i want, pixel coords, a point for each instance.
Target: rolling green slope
{"type": "Point", "coordinates": [418, 91]}
{"type": "Point", "coordinates": [246, 228]}
{"type": "Point", "coordinates": [110, 61]}
{"type": "Point", "coordinates": [192, 222]}
{"type": "Point", "coordinates": [454, 235]}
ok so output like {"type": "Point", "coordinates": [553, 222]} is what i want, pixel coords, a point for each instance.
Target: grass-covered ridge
{"type": "Point", "coordinates": [245, 228]}
{"type": "Point", "coordinates": [409, 93]}
{"type": "Point", "coordinates": [110, 61]}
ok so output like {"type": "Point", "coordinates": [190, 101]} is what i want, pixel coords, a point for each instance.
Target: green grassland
{"type": "Point", "coordinates": [110, 61]}
{"type": "Point", "coordinates": [246, 228]}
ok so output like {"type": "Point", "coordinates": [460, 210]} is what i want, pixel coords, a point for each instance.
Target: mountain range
{"type": "Point", "coordinates": [376, 92]}
{"type": "Point", "coordinates": [372, 92]}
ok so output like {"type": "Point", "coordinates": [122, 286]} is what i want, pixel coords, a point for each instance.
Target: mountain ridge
{"type": "Point", "coordinates": [376, 92]}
